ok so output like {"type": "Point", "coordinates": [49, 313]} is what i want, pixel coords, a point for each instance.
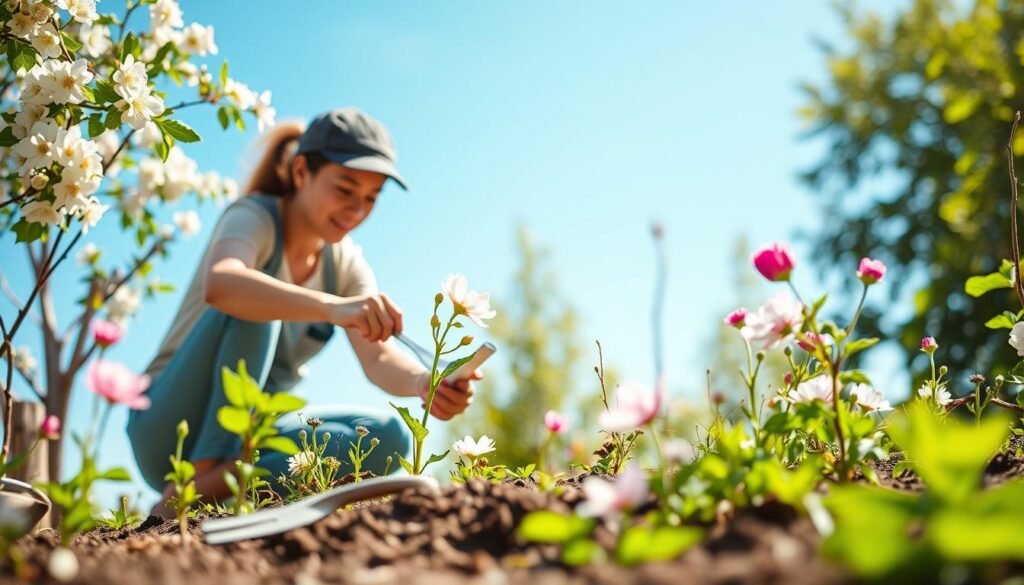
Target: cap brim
{"type": "Point", "coordinates": [376, 164]}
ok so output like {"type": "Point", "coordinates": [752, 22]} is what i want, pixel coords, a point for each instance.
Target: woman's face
{"type": "Point", "coordinates": [335, 199]}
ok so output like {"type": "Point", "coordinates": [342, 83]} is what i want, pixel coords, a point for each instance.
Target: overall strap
{"type": "Point", "coordinates": [269, 203]}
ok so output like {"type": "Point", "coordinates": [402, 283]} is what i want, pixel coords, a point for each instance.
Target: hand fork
{"type": "Point", "coordinates": [308, 510]}
{"type": "Point", "coordinates": [426, 357]}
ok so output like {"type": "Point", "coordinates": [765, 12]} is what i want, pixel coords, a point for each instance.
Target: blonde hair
{"type": "Point", "coordinates": [272, 175]}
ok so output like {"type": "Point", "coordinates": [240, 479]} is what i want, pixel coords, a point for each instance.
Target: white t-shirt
{"type": "Point", "coordinates": [247, 220]}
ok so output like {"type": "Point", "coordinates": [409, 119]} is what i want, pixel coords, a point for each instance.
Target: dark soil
{"type": "Point", "coordinates": [465, 535]}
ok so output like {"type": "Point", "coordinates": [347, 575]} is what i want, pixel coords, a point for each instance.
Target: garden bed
{"type": "Point", "coordinates": [465, 535]}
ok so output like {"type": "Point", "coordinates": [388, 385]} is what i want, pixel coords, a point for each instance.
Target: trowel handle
{"type": "Point", "coordinates": [483, 352]}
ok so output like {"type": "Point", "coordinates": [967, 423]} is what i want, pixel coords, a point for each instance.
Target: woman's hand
{"type": "Point", "coordinates": [452, 397]}
{"type": "Point", "coordinates": [374, 316]}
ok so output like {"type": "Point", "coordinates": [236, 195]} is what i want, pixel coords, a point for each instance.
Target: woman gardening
{"type": "Point", "coordinates": [280, 272]}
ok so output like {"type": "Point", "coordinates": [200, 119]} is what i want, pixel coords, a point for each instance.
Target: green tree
{"type": "Point", "coordinates": [916, 114]}
{"type": "Point", "coordinates": [537, 335]}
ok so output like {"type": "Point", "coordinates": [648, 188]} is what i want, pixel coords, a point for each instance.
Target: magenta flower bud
{"type": "Point", "coordinates": [555, 422]}
{"type": "Point", "coordinates": [871, 271]}
{"type": "Point", "coordinates": [737, 318]}
{"type": "Point", "coordinates": [106, 333]}
{"type": "Point", "coordinates": [774, 261]}
{"type": "Point", "coordinates": [788, 379]}
{"type": "Point", "coordinates": [929, 345]}
{"type": "Point", "coordinates": [811, 341]}
{"type": "Point", "coordinates": [50, 429]}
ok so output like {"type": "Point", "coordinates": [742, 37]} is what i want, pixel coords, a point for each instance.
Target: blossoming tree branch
{"type": "Point", "coordinates": [88, 129]}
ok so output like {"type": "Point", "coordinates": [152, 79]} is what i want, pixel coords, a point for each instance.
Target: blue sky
{"type": "Point", "coordinates": [582, 120]}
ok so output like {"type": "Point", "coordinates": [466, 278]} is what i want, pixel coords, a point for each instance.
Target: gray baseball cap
{"type": "Point", "coordinates": [351, 138]}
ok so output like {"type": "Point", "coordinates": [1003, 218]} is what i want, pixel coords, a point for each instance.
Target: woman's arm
{"type": "Point", "coordinates": [234, 286]}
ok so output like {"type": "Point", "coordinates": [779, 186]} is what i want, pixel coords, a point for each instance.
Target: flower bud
{"type": "Point", "coordinates": [929, 345]}
{"type": "Point", "coordinates": [789, 350]}
{"type": "Point", "coordinates": [50, 429]}
{"type": "Point", "coordinates": [871, 271]}
{"type": "Point", "coordinates": [435, 322]}
{"type": "Point", "coordinates": [314, 421]}
{"type": "Point", "coordinates": [39, 181]}
{"type": "Point", "coordinates": [774, 261]}
{"type": "Point", "coordinates": [182, 429]}
{"type": "Point", "coordinates": [788, 379]}
{"type": "Point", "coordinates": [466, 340]}
{"type": "Point", "coordinates": [362, 431]}
{"type": "Point", "coordinates": [302, 435]}
{"type": "Point", "coordinates": [438, 299]}
{"type": "Point", "coordinates": [327, 437]}
{"type": "Point", "coordinates": [737, 318]}
{"type": "Point", "coordinates": [977, 378]}
{"type": "Point", "coordinates": [943, 370]}
{"type": "Point", "coordinates": [760, 356]}
{"type": "Point", "coordinates": [374, 442]}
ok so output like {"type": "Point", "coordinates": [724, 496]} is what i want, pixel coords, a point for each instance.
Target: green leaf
{"type": "Point", "coordinates": [406, 465]}
{"type": "Point", "coordinates": [860, 345]}
{"type": "Point", "coordinates": [223, 117]}
{"type": "Point", "coordinates": [224, 73]}
{"type": "Point", "coordinates": [1005, 320]}
{"type": "Point", "coordinates": [435, 458]}
{"type": "Point", "coordinates": [232, 482]}
{"type": "Point", "coordinates": [979, 285]}
{"type": "Point", "coordinates": [455, 365]}
{"type": "Point", "coordinates": [854, 377]}
{"type": "Point", "coordinates": [130, 47]}
{"type": "Point", "coordinates": [419, 432]}
{"type": "Point", "coordinates": [283, 444]}
{"type": "Point", "coordinates": [233, 419]}
{"type": "Point", "coordinates": [104, 92]}
{"type": "Point", "coordinates": [179, 130]}
{"type": "Point", "coordinates": [27, 232]}
{"type": "Point", "coordinates": [71, 42]}
{"type": "Point", "coordinates": [872, 528]}
{"type": "Point", "coordinates": [283, 403]}
{"type": "Point", "coordinates": [577, 553]}
{"type": "Point", "coordinates": [113, 121]}
{"type": "Point", "coordinates": [20, 55]}
{"type": "Point", "coordinates": [115, 474]}
{"type": "Point", "coordinates": [641, 544]}
{"type": "Point", "coordinates": [95, 126]}
{"type": "Point", "coordinates": [7, 138]}
{"type": "Point", "coordinates": [553, 527]}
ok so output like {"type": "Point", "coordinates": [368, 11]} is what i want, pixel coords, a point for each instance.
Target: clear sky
{"type": "Point", "coordinates": [584, 120]}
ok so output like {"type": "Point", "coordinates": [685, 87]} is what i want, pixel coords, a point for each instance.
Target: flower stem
{"type": "Point", "coordinates": [860, 308]}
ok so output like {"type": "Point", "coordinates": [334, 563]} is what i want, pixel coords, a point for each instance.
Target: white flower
{"type": "Point", "coordinates": [300, 463]}
{"type": "Point", "coordinates": [230, 188]}
{"type": "Point", "coordinates": [635, 406]}
{"type": "Point", "coordinates": [869, 398]}
{"type": "Point", "coordinates": [66, 80]}
{"type": "Point", "coordinates": [187, 222]}
{"type": "Point", "coordinates": [197, 39]}
{"type": "Point", "coordinates": [23, 359]}
{"type": "Point", "coordinates": [33, 88]}
{"type": "Point", "coordinates": [95, 39]}
{"type": "Point", "coordinates": [941, 396]}
{"type": "Point", "coordinates": [239, 94]}
{"type": "Point", "coordinates": [605, 498]}
{"type": "Point", "coordinates": [209, 184]}
{"type": "Point", "coordinates": [131, 77]}
{"type": "Point", "coordinates": [62, 565]}
{"type": "Point", "coordinates": [924, 391]}
{"type": "Point", "coordinates": [148, 136]}
{"type": "Point", "coordinates": [37, 148]}
{"type": "Point", "coordinates": [819, 388]}
{"type": "Point", "coordinates": [775, 321]}
{"type": "Point", "coordinates": [265, 114]}
{"type": "Point", "coordinates": [43, 212]}
{"type": "Point", "coordinates": [88, 254]}
{"type": "Point", "coordinates": [165, 14]}
{"type": "Point", "coordinates": [189, 70]}
{"type": "Point", "coordinates": [151, 174]}
{"type": "Point", "coordinates": [469, 447]}
{"type": "Point", "coordinates": [22, 25]}
{"type": "Point", "coordinates": [123, 304]}
{"type": "Point", "coordinates": [92, 213]}
{"type": "Point", "coordinates": [139, 107]}
{"type": "Point", "coordinates": [47, 44]}
{"type": "Point", "coordinates": [181, 175]}
{"type": "Point", "coordinates": [67, 144]}
{"type": "Point", "coordinates": [26, 118]}
{"type": "Point", "coordinates": [72, 193]}
{"type": "Point", "coordinates": [83, 11]}
{"type": "Point", "coordinates": [1017, 338]}
{"type": "Point", "coordinates": [473, 304]}
{"type": "Point", "coordinates": [40, 13]}
{"type": "Point", "coordinates": [134, 203]}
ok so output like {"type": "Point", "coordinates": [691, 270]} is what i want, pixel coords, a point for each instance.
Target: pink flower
{"type": "Point", "coordinates": [737, 318]}
{"type": "Point", "coordinates": [555, 422]}
{"type": "Point", "coordinates": [473, 304]}
{"type": "Point", "coordinates": [606, 498]}
{"type": "Point", "coordinates": [774, 261]}
{"type": "Point", "coordinates": [775, 321]}
{"type": "Point", "coordinates": [106, 333]}
{"type": "Point", "coordinates": [871, 271]}
{"type": "Point", "coordinates": [635, 406]}
{"type": "Point", "coordinates": [813, 340]}
{"type": "Point", "coordinates": [50, 429]}
{"type": "Point", "coordinates": [929, 345]}
{"type": "Point", "coordinates": [118, 384]}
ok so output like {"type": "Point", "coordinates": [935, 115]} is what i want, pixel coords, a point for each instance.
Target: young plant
{"type": "Point", "coordinates": [477, 307]}
{"type": "Point", "coordinates": [123, 517]}
{"type": "Point", "coordinates": [356, 454]}
{"type": "Point", "coordinates": [311, 471]}
{"type": "Point", "coordinates": [251, 414]}
{"type": "Point", "coordinates": [181, 475]}
{"type": "Point", "coordinates": [475, 464]}
{"type": "Point", "coordinates": [555, 424]}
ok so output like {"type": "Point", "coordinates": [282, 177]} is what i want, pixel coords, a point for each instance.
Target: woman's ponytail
{"type": "Point", "coordinates": [273, 174]}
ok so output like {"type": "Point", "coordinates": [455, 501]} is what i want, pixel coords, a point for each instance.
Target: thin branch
{"type": "Point", "coordinates": [31, 384]}
{"type": "Point", "coordinates": [48, 266]}
{"type": "Point", "coordinates": [1014, 242]}
{"type": "Point", "coordinates": [117, 152]}
{"type": "Point", "coordinates": [13, 297]}
{"type": "Point", "coordinates": [17, 199]}
{"type": "Point", "coordinates": [8, 350]}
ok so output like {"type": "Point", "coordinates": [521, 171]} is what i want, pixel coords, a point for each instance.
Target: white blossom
{"type": "Point", "coordinates": [130, 77]}
{"type": "Point", "coordinates": [869, 398]}
{"type": "Point", "coordinates": [139, 107]}
{"type": "Point", "coordinates": [123, 304]}
{"type": "Point", "coordinates": [88, 254]}
{"type": "Point", "coordinates": [148, 136]}
{"type": "Point", "coordinates": [26, 118]}
{"type": "Point", "coordinates": [818, 388]}
{"type": "Point", "coordinates": [188, 222]}
{"type": "Point", "coordinates": [300, 463]}
{"type": "Point", "coordinates": [1017, 338]}
{"type": "Point", "coordinates": [92, 213]}
{"type": "Point", "coordinates": [37, 148]}
{"type": "Point", "coordinates": [43, 212]}
{"type": "Point", "coordinates": [165, 14]}
{"type": "Point", "coordinates": [47, 44]}
{"type": "Point", "coordinates": [230, 188]}
{"type": "Point", "coordinates": [472, 448]}
{"type": "Point", "coordinates": [134, 203]}
{"type": "Point", "coordinates": [181, 175]}
{"type": "Point", "coordinates": [33, 88]}
{"type": "Point", "coordinates": [66, 80]}
{"type": "Point", "coordinates": [197, 39]}
{"type": "Point", "coordinates": [96, 39]}
{"type": "Point", "coordinates": [83, 11]}
{"type": "Point", "coordinates": [239, 94]}
{"type": "Point", "coordinates": [41, 13]}
{"type": "Point", "coordinates": [265, 114]}
{"type": "Point", "coordinates": [23, 25]}
{"type": "Point", "coordinates": [23, 359]}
